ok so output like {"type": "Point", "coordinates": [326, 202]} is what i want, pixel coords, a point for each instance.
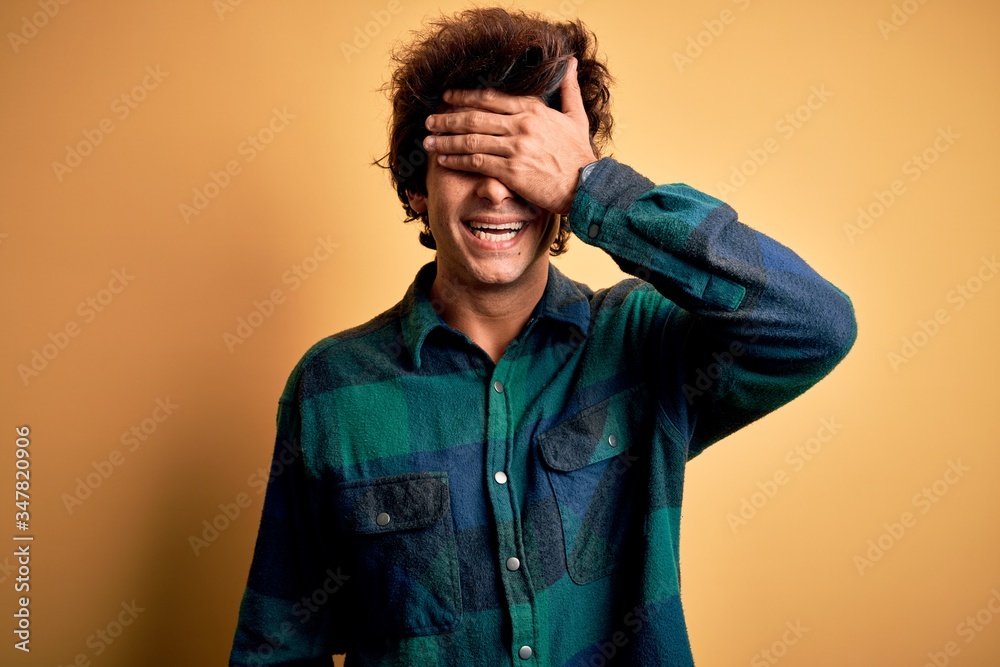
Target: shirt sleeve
{"type": "Point", "coordinates": [743, 324]}
{"type": "Point", "coordinates": [294, 608]}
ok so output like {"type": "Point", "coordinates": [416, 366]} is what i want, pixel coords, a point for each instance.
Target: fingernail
{"type": "Point", "coordinates": [429, 143]}
{"type": "Point", "coordinates": [447, 95]}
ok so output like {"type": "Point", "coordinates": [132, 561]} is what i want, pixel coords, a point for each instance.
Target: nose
{"type": "Point", "coordinates": [493, 190]}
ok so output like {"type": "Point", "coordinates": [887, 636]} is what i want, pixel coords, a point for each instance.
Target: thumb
{"type": "Point", "coordinates": [569, 88]}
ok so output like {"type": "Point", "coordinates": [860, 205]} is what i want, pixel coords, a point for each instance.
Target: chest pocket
{"type": "Point", "coordinates": [401, 546]}
{"type": "Point", "coordinates": [596, 464]}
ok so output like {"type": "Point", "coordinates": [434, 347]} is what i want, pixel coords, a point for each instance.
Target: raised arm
{"type": "Point", "coordinates": [747, 325]}
{"type": "Point", "coordinates": [753, 326]}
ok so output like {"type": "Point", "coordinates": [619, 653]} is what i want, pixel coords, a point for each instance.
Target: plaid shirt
{"type": "Point", "coordinates": [429, 507]}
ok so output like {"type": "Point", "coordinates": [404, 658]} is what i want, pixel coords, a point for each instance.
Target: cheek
{"type": "Point", "coordinates": [447, 198]}
{"type": "Point", "coordinates": [439, 214]}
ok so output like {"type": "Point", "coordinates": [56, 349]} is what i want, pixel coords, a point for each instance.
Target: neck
{"type": "Point", "coordinates": [490, 315]}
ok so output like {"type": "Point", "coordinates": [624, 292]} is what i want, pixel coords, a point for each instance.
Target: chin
{"type": "Point", "coordinates": [497, 272]}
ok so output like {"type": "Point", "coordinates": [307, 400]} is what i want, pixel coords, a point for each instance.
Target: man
{"type": "Point", "coordinates": [490, 472]}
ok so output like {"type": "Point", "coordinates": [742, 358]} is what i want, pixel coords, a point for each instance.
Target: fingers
{"type": "Point", "coordinates": [485, 98]}
{"type": "Point", "coordinates": [456, 122]}
{"type": "Point", "coordinates": [572, 99]}
{"type": "Point", "coordinates": [504, 103]}
{"type": "Point", "coordinates": [488, 165]}
{"type": "Point", "coordinates": [468, 144]}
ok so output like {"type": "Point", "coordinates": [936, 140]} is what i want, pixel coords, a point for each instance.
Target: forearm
{"type": "Point", "coordinates": [759, 325]}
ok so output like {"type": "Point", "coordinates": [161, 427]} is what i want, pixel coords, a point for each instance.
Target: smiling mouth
{"type": "Point", "coordinates": [495, 231]}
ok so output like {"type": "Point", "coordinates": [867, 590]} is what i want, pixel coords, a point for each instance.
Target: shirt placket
{"type": "Point", "coordinates": [503, 477]}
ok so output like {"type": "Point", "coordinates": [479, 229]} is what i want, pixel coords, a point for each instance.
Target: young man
{"type": "Point", "coordinates": [490, 472]}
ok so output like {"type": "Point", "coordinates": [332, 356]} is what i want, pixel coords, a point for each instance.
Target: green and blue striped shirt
{"type": "Point", "coordinates": [429, 507]}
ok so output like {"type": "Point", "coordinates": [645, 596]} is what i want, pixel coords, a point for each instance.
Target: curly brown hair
{"type": "Point", "coordinates": [517, 52]}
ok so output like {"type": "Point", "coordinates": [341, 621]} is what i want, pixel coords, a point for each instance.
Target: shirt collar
{"type": "Point", "coordinates": [564, 300]}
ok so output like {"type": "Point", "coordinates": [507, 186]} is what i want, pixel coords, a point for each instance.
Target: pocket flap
{"type": "Point", "coordinates": [396, 502]}
{"type": "Point", "coordinates": [593, 434]}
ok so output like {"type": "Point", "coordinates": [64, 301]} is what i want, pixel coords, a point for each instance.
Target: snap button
{"type": "Point", "coordinates": [498, 386]}
{"type": "Point", "coordinates": [524, 652]}
{"type": "Point", "coordinates": [612, 440]}
{"type": "Point", "coordinates": [513, 563]}
{"type": "Point", "coordinates": [500, 476]}
{"type": "Point", "coordinates": [382, 519]}
{"type": "Point", "coordinates": [593, 230]}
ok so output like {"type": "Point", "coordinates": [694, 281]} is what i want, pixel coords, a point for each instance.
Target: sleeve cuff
{"type": "Point", "coordinates": [607, 191]}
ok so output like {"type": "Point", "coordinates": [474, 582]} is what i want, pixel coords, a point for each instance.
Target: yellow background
{"type": "Point", "coordinates": [161, 337]}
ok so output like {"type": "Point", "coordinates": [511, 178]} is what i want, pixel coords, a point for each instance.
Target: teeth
{"type": "Point", "coordinates": [507, 225]}
{"type": "Point", "coordinates": [512, 228]}
{"type": "Point", "coordinates": [488, 236]}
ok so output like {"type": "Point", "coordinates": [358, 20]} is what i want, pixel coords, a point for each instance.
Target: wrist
{"type": "Point", "coordinates": [585, 172]}
{"type": "Point", "coordinates": [582, 174]}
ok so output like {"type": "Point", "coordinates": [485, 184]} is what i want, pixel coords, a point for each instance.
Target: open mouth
{"type": "Point", "coordinates": [504, 231]}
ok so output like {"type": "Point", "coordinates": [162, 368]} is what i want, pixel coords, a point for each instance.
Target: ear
{"type": "Point", "coordinates": [418, 202]}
